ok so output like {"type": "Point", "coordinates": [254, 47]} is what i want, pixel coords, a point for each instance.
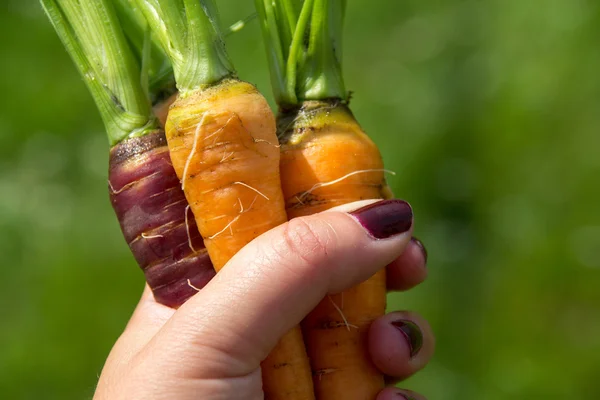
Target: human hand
{"type": "Point", "coordinates": [212, 346]}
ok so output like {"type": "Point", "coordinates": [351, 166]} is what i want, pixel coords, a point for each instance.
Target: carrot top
{"type": "Point", "coordinates": [91, 34]}
{"type": "Point", "coordinates": [155, 64]}
{"type": "Point", "coordinates": [190, 35]}
{"type": "Point", "coordinates": [304, 43]}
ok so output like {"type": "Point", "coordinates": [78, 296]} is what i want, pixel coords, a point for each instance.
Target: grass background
{"type": "Point", "coordinates": [489, 112]}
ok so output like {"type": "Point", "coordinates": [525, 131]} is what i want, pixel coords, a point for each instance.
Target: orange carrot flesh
{"type": "Point", "coordinates": [223, 147]}
{"type": "Point", "coordinates": [327, 160]}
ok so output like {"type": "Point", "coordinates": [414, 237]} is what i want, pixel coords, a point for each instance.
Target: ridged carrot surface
{"type": "Point", "coordinates": [155, 220]}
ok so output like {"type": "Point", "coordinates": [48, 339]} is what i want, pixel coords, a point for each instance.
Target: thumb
{"type": "Point", "coordinates": [229, 327]}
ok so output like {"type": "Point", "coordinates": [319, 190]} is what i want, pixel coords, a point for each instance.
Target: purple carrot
{"type": "Point", "coordinates": [144, 190]}
{"type": "Point", "coordinates": [155, 219]}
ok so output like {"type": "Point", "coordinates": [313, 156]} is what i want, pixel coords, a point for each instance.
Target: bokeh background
{"type": "Point", "coordinates": [489, 112]}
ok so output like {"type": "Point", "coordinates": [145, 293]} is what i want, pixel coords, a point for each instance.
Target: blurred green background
{"type": "Point", "coordinates": [489, 112]}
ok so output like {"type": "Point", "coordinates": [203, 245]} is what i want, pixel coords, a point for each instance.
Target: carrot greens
{"type": "Point", "coordinates": [89, 32]}
{"type": "Point", "coordinates": [190, 35]}
{"type": "Point", "coordinates": [303, 43]}
{"type": "Point", "coordinates": [157, 72]}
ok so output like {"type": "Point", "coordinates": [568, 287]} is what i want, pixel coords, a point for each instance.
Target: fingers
{"type": "Point", "coordinates": [147, 319]}
{"type": "Point", "coordinates": [148, 316]}
{"type": "Point", "coordinates": [400, 344]}
{"type": "Point", "coordinates": [408, 270]}
{"type": "Point", "coordinates": [392, 393]}
{"type": "Point", "coordinates": [272, 283]}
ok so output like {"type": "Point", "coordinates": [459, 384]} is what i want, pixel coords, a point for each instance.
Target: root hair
{"type": "Point", "coordinates": [333, 182]}
{"type": "Point", "coordinates": [192, 286]}
{"type": "Point", "coordinates": [187, 229]}
{"type": "Point", "coordinates": [348, 325]}
{"type": "Point", "coordinates": [151, 236]}
{"type": "Point", "coordinates": [192, 152]}
{"type": "Point", "coordinates": [233, 221]}
{"type": "Point", "coordinates": [251, 188]}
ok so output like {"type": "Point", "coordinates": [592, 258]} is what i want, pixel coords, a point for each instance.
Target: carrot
{"type": "Point", "coordinates": [223, 145]}
{"type": "Point", "coordinates": [326, 160]}
{"type": "Point", "coordinates": [144, 189]}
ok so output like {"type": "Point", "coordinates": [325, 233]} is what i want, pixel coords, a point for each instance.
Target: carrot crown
{"type": "Point", "coordinates": [304, 43]}
{"type": "Point", "coordinates": [93, 38]}
{"type": "Point", "coordinates": [190, 35]}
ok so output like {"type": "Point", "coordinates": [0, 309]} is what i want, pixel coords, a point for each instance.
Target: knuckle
{"type": "Point", "coordinates": [309, 239]}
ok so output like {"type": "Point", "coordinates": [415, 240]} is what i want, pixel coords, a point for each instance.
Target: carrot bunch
{"type": "Point", "coordinates": [224, 170]}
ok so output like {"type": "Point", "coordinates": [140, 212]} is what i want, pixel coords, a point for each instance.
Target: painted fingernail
{"type": "Point", "coordinates": [385, 218]}
{"type": "Point", "coordinates": [422, 247]}
{"type": "Point", "coordinates": [405, 396]}
{"type": "Point", "coordinates": [412, 333]}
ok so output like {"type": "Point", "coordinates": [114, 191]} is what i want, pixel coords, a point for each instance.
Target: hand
{"type": "Point", "coordinates": [212, 346]}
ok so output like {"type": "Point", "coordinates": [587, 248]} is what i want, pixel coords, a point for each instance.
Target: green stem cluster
{"type": "Point", "coordinates": [189, 33]}
{"type": "Point", "coordinates": [156, 66]}
{"type": "Point", "coordinates": [91, 33]}
{"type": "Point", "coordinates": [304, 42]}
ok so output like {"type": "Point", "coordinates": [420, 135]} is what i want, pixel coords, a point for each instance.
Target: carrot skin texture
{"type": "Point", "coordinates": [151, 209]}
{"type": "Point", "coordinates": [326, 161]}
{"type": "Point", "coordinates": [223, 146]}
{"type": "Point", "coordinates": [224, 149]}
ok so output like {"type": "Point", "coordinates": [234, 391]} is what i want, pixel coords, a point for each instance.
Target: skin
{"type": "Point", "coordinates": [212, 346]}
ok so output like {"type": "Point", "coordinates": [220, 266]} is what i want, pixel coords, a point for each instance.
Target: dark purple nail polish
{"type": "Point", "coordinates": [385, 218]}
{"type": "Point", "coordinates": [405, 396]}
{"type": "Point", "coordinates": [412, 333]}
{"type": "Point", "coordinates": [422, 247]}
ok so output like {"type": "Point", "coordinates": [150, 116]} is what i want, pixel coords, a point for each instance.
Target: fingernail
{"type": "Point", "coordinates": [405, 396]}
{"type": "Point", "coordinates": [422, 247]}
{"type": "Point", "coordinates": [385, 218]}
{"type": "Point", "coordinates": [412, 333]}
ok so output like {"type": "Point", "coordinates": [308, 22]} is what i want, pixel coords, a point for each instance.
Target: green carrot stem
{"type": "Point", "coordinates": [277, 38]}
{"type": "Point", "coordinates": [157, 72]}
{"type": "Point", "coordinates": [189, 33]}
{"type": "Point", "coordinates": [305, 65]}
{"type": "Point", "coordinates": [91, 34]}
{"type": "Point", "coordinates": [321, 74]}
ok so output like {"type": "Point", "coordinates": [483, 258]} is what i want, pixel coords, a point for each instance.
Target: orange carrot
{"type": "Point", "coordinates": [222, 139]}
{"type": "Point", "coordinates": [224, 149]}
{"type": "Point", "coordinates": [326, 160]}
